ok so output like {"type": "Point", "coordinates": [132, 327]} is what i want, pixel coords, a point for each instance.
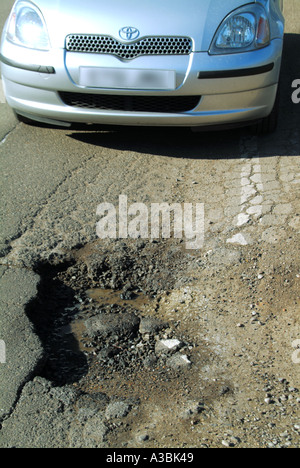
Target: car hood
{"type": "Point", "coordinates": [198, 19]}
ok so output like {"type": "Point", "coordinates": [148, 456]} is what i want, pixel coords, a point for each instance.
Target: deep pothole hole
{"type": "Point", "coordinates": [96, 312]}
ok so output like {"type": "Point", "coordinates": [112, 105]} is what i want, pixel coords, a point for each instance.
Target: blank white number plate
{"type": "Point", "coordinates": [117, 78]}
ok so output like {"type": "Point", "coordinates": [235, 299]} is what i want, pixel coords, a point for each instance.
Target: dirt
{"type": "Point", "coordinates": [230, 379]}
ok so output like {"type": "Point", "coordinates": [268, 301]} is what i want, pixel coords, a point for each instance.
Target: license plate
{"type": "Point", "coordinates": [116, 78]}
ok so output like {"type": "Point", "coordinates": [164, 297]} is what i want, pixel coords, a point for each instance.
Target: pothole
{"type": "Point", "coordinates": [108, 328]}
{"type": "Point", "coordinates": [100, 311]}
{"type": "Point", "coordinates": [158, 343]}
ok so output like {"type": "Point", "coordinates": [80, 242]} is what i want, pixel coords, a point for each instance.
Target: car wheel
{"type": "Point", "coordinates": [269, 124]}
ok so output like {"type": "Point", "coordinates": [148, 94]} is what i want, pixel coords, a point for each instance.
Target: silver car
{"type": "Point", "coordinates": [191, 63]}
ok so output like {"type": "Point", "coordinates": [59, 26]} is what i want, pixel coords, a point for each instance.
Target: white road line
{"type": "Point", "coordinates": [251, 181]}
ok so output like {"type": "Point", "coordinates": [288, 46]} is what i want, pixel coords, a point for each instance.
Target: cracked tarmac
{"type": "Point", "coordinates": [234, 304]}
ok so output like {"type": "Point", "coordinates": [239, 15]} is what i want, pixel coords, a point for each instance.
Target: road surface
{"type": "Point", "coordinates": [244, 279]}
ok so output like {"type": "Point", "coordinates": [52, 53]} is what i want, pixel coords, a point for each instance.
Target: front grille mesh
{"type": "Point", "coordinates": [154, 104]}
{"type": "Point", "coordinates": [146, 46]}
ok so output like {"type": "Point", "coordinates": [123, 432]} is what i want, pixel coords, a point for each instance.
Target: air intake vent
{"type": "Point", "coordinates": [154, 104]}
{"type": "Point", "coordinates": [146, 46]}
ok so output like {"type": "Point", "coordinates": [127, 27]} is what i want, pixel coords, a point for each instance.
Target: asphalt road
{"type": "Point", "coordinates": [52, 181]}
{"type": "Point", "coordinates": [41, 160]}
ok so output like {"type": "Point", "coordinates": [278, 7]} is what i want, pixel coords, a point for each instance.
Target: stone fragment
{"type": "Point", "coordinates": [119, 324]}
{"type": "Point", "coordinates": [178, 361]}
{"type": "Point", "coordinates": [150, 325]}
{"type": "Point", "coordinates": [167, 346]}
{"type": "Point", "coordinates": [117, 409]}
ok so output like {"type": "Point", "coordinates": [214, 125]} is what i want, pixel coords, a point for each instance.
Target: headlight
{"type": "Point", "coordinates": [27, 27]}
{"type": "Point", "coordinates": [243, 30]}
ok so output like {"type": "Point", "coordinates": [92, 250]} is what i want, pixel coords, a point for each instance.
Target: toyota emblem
{"type": "Point", "coordinates": [129, 33]}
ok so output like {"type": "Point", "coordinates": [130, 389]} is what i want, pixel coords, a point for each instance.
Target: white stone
{"type": "Point", "coordinates": [237, 239]}
{"type": "Point", "coordinates": [242, 219]}
{"type": "Point", "coordinates": [167, 346]}
{"type": "Point", "coordinates": [170, 344]}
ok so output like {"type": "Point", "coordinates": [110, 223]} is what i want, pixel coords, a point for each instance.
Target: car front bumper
{"type": "Point", "coordinates": [237, 88]}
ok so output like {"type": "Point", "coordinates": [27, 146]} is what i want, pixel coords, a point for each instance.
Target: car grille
{"type": "Point", "coordinates": [154, 104]}
{"type": "Point", "coordinates": [146, 46]}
